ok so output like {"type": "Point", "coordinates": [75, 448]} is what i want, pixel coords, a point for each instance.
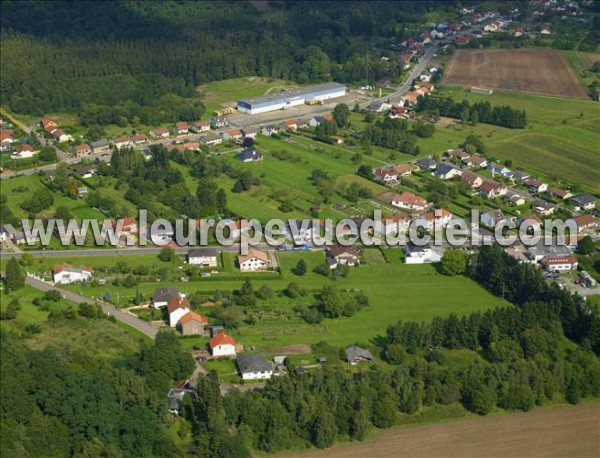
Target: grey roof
{"type": "Point", "coordinates": [248, 154]}
{"type": "Point", "coordinates": [99, 144]}
{"type": "Point", "coordinates": [426, 162]}
{"type": "Point", "coordinates": [164, 294]}
{"type": "Point", "coordinates": [253, 363]}
{"type": "Point", "coordinates": [442, 169]}
{"type": "Point", "coordinates": [411, 247]}
{"type": "Point", "coordinates": [293, 93]}
{"type": "Point", "coordinates": [202, 252]}
{"type": "Point", "coordinates": [583, 199]}
{"type": "Point", "coordinates": [353, 353]}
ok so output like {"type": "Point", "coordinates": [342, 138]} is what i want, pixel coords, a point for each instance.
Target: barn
{"type": "Point", "coordinates": [291, 98]}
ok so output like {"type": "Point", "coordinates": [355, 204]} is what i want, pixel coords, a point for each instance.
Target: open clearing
{"type": "Point", "coordinates": [535, 71]}
{"type": "Point", "coordinates": [565, 431]}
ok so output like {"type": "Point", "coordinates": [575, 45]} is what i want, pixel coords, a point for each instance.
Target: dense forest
{"type": "Point", "coordinates": [505, 116]}
{"type": "Point", "coordinates": [129, 59]}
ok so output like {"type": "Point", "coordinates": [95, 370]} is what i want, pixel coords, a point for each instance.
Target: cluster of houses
{"type": "Point", "coordinates": [7, 140]}
{"type": "Point", "coordinates": [52, 128]}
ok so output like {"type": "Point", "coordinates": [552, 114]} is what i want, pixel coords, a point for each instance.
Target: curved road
{"type": "Point", "coordinates": [124, 317]}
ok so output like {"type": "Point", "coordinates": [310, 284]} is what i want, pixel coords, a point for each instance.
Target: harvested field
{"type": "Point", "coordinates": [298, 349]}
{"type": "Point", "coordinates": [590, 58]}
{"type": "Point", "coordinates": [535, 71]}
{"type": "Point", "coordinates": [568, 431]}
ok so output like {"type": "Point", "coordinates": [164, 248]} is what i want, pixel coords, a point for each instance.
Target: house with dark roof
{"type": "Point", "coordinates": [202, 257]}
{"type": "Point", "coordinates": [100, 146]}
{"type": "Point", "coordinates": [355, 355]}
{"type": "Point", "coordinates": [446, 171]}
{"type": "Point", "coordinates": [249, 155]}
{"type": "Point", "coordinates": [161, 297]}
{"type": "Point", "coordinates": [254, 367]}
{"type": "Point", "coordinates": [426, 163]}
{"type": "Point", "coordinates": [342, 255]}
{"type": "Point", "coordinates": [585, 201]}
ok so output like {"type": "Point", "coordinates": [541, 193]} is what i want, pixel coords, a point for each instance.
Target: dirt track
{"type": "Point", "coordinates": [535, 71]}
{"type": "Point", "coordinates": [566, 431]}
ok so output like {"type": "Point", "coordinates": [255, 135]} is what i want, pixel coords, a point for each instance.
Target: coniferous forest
{"type": "Point", "coordinates": [113, 61]}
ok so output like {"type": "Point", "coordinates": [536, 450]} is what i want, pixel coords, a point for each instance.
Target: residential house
{"type": "Point", "coordinates": [200, 126]}
{"type": "Point", "coordinates": [459, 154]}
{"type": "Point", "coordinates": [203, 257]}
{"type": "Point", "coordinates": [584, 201]}
{"type": "Point", "coordinates": [82, 150]}
{"type": "Point", "coordinates": [211, 139]}
{"type": "Point", "coordinates": [342, 255]}
{"type": "Point", "coordinates": [219, 122]}
{"type": "Point", "coordinates": [194, 146]}
{"type": "Point", "coordinates": [254, 367]}
{"type": "Point", "coordinates": [160, 132]}
{"type": "Point", "coordinates": [585, 222]}
{"type": "Point", "coordinates": [336, 139]}
{"type": "Point", "coordinates": [355, 355]}
{"type": "Point", "coordinates": [100, 146]}
{"type": "Point", "coordinates": [533, 221]}
{"type": "Point", "coordinates": [518, 175]}
{"type": "Point", "coordinates": [192, 324]}
{"type": "Point", "coordinates": [60, 136]}
{"type": "Point", "coordinates": [395, 224]}
{"type": "Point", "coordinates": [270, 130]}
{"type": "Point", "coordinates": [4, 234]}
{"type": "Point", "coordinates": [6, 141]}
{"type": "Point", "coordinates": [543, 207]}
{"type": "Point", "coordinates": [177, 307]}
{"type": "Point", "coordinates": [399, 113]}
{"type": "Point", "coordinates": [161, 297]}
{"type": "Point", "coordinates": [438, 218]}
{"type": "Point", "coordinates": [254, 261]}
{"type": "Point", "coordinates": [386, 175]}
{"type": "Point", "coordinates": [515, 199]}
{"type": "Point", "coordinates": [553, 263]}
{"type": "Point", "coordinates": [472, 180]}
{"type": "Point", "coordinates": [498, 169]}
{"type": "Point", "coordinates": [409, 201]}
{"type": "Point", "coordinates": [445, 171]}
{"type": "Point", "coordinates": [492, 189]}
{"type": "Point", "coordinates": [122, 142]}
{"type": "Point", "coordinates": [233, 135]}
{"type": "Point", "coordinates": [250, 132]}
{"type": "Point", "coordinates": [23, 151]}
{"type": "Point", "coordinates": [546, 30]}
{"type": "Point", "coordinates": [420, 254]}
{"type": "Point", "coordinates": [48, 123]}
{"type": "Point", "coordinates": [476, 161]}
{"type": "Point", "coordinates": [378, 106]}
{"type": "Point", "coordinates": [249, 155]}
{"type": "Point", "coordinates": [237, 228]}
{"type": "Point", "coordinates": [495, 217]}
{"type": "Point", "coordinates": [176, 395]}
{"type": "Point", "coordinates": [222, 345]}
{"type": "Point", "coordinates": [426, 163]}
{"type": "Point", "coordinates": [85, 171]}
{"type": "Point", "coordinates": [181, 128]}
{"type": "Point", "coordinates": [560, 193]}
{"type": "Point", "coordinates": [139, 139]}
{"type": "Point", "coordinates": [535, 186]}
{"type": "Point", "coordinates": [291, 124]}
{"type": "Point", "coordinates": [65, 274]}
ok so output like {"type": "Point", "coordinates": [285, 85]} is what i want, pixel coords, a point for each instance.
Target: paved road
{"type": "Point", "coordinates": [124, 317]}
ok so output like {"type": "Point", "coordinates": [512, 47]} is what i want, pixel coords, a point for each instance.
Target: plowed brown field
{"type": "Point", "coordinates": [565, 432]}
{"type": "Point", "coordinates": [535, 71]}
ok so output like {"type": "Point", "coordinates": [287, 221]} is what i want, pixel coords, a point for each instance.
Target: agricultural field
{"type": "Point", "coordinates": [219, 94]}
{"type": "Point", "coordinates": [590, 58]}
{"type": "Point", "coordinates": [533, 71]}
{"type": "Point", "coordinates": [560, 143]}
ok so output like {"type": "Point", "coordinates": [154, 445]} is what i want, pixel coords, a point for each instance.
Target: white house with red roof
{"type": "Point", "coordinates": [177, 307]}
{"type": "Point", "coordinates": [409, 201]}
{"type": "Point", "coordinates": [560, 263]}
{"type": "Point", "coordinates": [438, 218]}
{"type": "Point", "coordinates": [222, 345]}
{"type": "Point", "coordinates": [64, 274]}
{"type": "Point", "coordinates": [182, 128]}
{"type": "Point", "coordinates": [122, 142]}
{"type": "Point", "coordinates": [23, 151]}
{"type": "Point", "coordinates": [160, 132]}
{"type": "Point", "coordinates": [6, 141]}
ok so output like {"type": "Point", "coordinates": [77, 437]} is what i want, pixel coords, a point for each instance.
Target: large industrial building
{"type": "Point", "coordinates": [290, 98]}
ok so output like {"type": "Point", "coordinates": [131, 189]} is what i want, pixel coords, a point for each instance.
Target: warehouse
{"type": "Point", "coordinates": [290, 98]}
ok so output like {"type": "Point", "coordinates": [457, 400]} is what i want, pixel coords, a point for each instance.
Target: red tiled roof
{"type": "Point", "coordinates": [193, 316]}
{"type": "Point", "coordinates": [221, 339]}
{"type": "Point", "coordinates": [177, 302]}
{"type": "Point", "coordinates": [410, 198]}
{"type": "Point", "coordinates": [585, 220]}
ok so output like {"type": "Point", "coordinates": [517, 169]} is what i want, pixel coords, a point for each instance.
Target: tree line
{"type": "Point", "coordinates": [505, 115]}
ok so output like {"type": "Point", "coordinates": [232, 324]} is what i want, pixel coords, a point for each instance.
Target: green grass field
{"type": "Point", "coordinates": [219, 93]}
{"type": "Point", "coordinates": [561, 141]}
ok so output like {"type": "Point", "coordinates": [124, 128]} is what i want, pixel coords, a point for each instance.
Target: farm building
{"type": "Point", "coordinates": [290, 98]}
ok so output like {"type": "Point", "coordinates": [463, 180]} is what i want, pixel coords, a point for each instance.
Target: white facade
{"type": "Point", "coordinates": [223, 350]}
{"type": "Point", "coordinates": [253, 264]}
{"type": "Point", "coordinates": [204, 261]}
{"type": "Point", "coordinates": [420, 255]}
{"type": "Point", "coordinates": [257, 375]}
{"type": "Point", "coordinates": [71, 275]}
{"type": "Point", "coordinates": [176, 315]}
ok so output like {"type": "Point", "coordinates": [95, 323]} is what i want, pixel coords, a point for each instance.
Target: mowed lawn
{"type": "Point", "coordinates": [561, 141]}
{"type": "Point", "coordinates": [219, 93]}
